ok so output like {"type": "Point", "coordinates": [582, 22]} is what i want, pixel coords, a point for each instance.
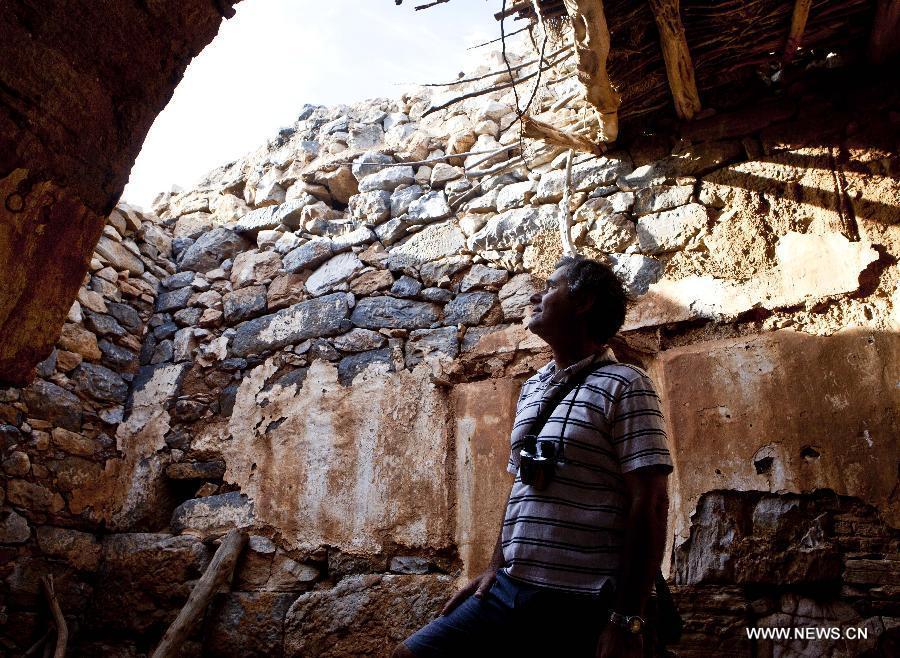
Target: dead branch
{"type": "Point", "coordinates": [62, 630]}
{"type": "Point", "coordinates": [679, 67]}
{"type": "Point", "coordinates": [798, 26]}
{"type": "Point", "coordinates": [591, 50]}
{"type": "Point", "coordinates": [565, 225]}
{"type": "Point", "coordinates": [218, 571]}
{"type": "Point", "coordinates": [487, 43]}
{"type": "Point", "coordinates": [37, 646]}
{"type": "Point", "coordinates": [481, 92]}
{"type": "Point", "coordinates": [498, 72]}
{"type": "Point", "coordinates": [539, 130]}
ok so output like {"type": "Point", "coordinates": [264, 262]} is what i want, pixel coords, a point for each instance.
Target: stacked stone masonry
{"type": "Point", "coordinates": [323, 344]}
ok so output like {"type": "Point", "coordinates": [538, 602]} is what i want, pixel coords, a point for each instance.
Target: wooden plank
{"type": "Point", "coordinates": [679, 67]}
{"type": "Point", "coordinates": [534, 129]}
{"type": "Point", "coordinates": [798, 27]}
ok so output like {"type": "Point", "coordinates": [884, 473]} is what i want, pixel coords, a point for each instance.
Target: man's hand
{"type": "Point", "coordinates": [618, 643]}
{"type": "Point", "coordinates": [478, 586]}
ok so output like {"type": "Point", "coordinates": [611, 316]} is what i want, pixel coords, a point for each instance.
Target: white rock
{"type": "Point", "coordinates": [515, 195]}
{"type": "Point", "coordinates": [442, 173]}
{"type": "Point", "coordinates": [671, 229]}
{"type": "Point", "coordinates": [515, 227]}
{"type": "Point", "coordinates": [333, 272]}
{"type": "Point", "coordinates": [389, 178]}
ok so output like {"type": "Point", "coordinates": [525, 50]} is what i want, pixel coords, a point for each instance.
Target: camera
{"type": "Point", "coordinates": [537, 462]}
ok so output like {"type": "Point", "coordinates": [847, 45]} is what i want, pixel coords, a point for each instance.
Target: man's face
{"type": "Point", "coordinates": [554, 311]}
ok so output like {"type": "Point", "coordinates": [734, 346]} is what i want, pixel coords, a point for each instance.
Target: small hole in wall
{"type": "Point", "coordinates": [718, 472]}
{"type": "Point", "coordinates": [252, 467]}
{"type": "Point", "coordinates": [764, 465]}
{"type": "Point", "coordinates": [810, 454]}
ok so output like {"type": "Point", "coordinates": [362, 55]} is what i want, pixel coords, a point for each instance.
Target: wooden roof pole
{"type": "Point", "coordinates": [591, 51]}
{"type": "Point", "coordinates": [884, 42]}
{"type": "Point", "coordinates": [798, 25]}
{"type": "Point", "coordinates": [679, 67]}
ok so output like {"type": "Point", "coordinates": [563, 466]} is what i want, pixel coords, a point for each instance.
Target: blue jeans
{"type": "Point", "coordinates": [518, 620]}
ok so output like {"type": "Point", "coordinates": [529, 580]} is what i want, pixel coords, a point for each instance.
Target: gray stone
{"type": "Point", "coordinates": [482, 276]}
{"type": "Point", "coordinates": [244, 304]}
{"type": "Point", "coordinates": [366, 136]}
{"type": "Point", "coordinates": [349, 367]}
{"type": "Point", "coordinates": [359, 340]}
{"type": "Point", "coordinates": [431, 243]}
{"type": "Point", "coordinates": [307, 256]}
{"type": "Point", "coordinates": [355, 238]}
{"type": "Point", "coordinates": [184, 345]}
{"type": "Point", "coordinates": [442, 173]}
{"type": "Point", "coordinates": [586, 176]}
{"type": "Point", "coordinates": [53, 403]}
{"type": "Point", "coordinates": [611, 233]}
{"type": "Point", "coordinates": [469, 308]}
{"type": "Point", "coordinates": [644, 176]}
{"type": "Point", "coordinates": [334, 272]}
{"type": "Point", "coordinates": [661, 197]}
{"type": "Point", "coordinates": [211, 249]}
{"type": "Point", "coordinates": [323, 316]}
{"type": "Point", "coordinates": [408, 564]}
{"type": "Point", "coordinates": [119, 256]}
{"type": "Point", "coordinates": [515, 227]}
{"type": "Point", "coordinates": [439, 295]}
{"type": "Point", "coordinates": [402, 199]}
{"type": "Point", "coordinates": [485, 203]}
{"type": "Point", "coordinates": [389, 312]}
{"type": "Point", "coordinates": [389, 178]}
{"type": "Point", "coordinates": [391, 231]}
{"type": "Point", "coordinates": [371, 207]}
{"type": "Point", "coordinates": [188, 317]}
{"type": "Point", "coordinates": [439, 272]}
{"type": "Point", "coordinates": [424, 343]}
{"type": "Point", "coordinates": [671, 229]}
{"type": "Point", "coordinates": [102, 324]}
{"type": "Point", "coordinates": [100, 383]}
{"type": "Point", "coordinates": [179, 280]}
{"type": "Point", "coordinates": [212, 516]}
{"type": "Point", "coordinates": [637, 272]}
{"type": "Point", "coordinates": [209, 470]}
{"type": "Point", "coordinates": [428, 208]}
{"type": "Point", "coordinates": [368, 163]}
{"type": "Point", "coordinates": [516, 195]}
{"type": "Point", "coordinates": [118, 357]}
{"type": "Point", "coordinates": [14, 528]}
{"type": "Point", "coordinates": [286, 243]}
{"type": "Point", "coordinates": [406, 286]}
{"type": "Point", "coordinates": [126, 315]}
{"type": "Point", "coordinates": [166, 330]}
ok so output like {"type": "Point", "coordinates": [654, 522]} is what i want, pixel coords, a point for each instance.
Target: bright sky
{"type": "Point", "coordinates": [276, 55]}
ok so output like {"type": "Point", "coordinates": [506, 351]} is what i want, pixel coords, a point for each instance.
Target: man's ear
{"type": "Point", "coordinates": [584, 306]}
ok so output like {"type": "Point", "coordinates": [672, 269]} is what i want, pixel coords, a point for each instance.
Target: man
{"type": "Point", "coordinates": [576, 559]}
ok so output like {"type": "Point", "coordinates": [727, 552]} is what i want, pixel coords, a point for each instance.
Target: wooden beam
{"type": "Point", "coordinates": [679, 67]}
{"type": "Point", "coordinates": [535, 129]}
{"type": "Point", "coordinates": [591, 50]}
{"type": "Point", "coordinates": [218, 571]}
{"type": "Point", "coordinates": [798, 26]}
{"type": "Point", "coordinates": [884, 42]}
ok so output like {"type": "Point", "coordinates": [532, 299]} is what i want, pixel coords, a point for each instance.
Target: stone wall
{"type": "Point", "coordinates": [323, 344]}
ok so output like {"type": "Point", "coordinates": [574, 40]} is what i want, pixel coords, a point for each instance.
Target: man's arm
{"type": "Point", "coordinates": [643, 547]}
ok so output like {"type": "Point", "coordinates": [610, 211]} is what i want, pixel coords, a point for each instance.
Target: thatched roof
{"type": "Point", "coordinates": [728, 47]}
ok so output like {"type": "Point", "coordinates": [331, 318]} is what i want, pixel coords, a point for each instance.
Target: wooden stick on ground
{"type": "Point", "coordinates": [62, 631]}
{"type": "Point", "coordinates": [798, 26]}
{"type": "Point", "coordinates": [565, 223]}
{"type": "Point", "coordinates": [539, 130]}
{"type": "Point", "coordinates": [679, 67]}
{"type": "Point", "coordinates": [592, 49]}
{"type": "Point", "coordinates": [218, 571]}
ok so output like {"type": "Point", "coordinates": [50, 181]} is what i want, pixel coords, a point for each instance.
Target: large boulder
{"type": "Point", "coordinates": [211, 249]}
{"type": "Point", "coordinates": [212, 516]}
{"type": "Point", "coordinates": [388, 312]}
{"type": "Point", "coordinates": [324, 316]}
{"type": "Point", "coordinates": [53, 403]}
{"type": "Point", "coordinates": [246, 624]}
{"type": "Point", "coordinates": [363, 615]}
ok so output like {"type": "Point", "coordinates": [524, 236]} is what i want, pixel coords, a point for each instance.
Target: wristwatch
{"type": "Point", "coordinates": [633, 624]}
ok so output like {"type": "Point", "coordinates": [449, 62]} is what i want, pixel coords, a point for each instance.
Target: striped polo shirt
{"type": "Point", "coordinates": [569, 536]}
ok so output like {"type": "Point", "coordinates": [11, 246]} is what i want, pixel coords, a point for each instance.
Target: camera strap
{"type": "Point", "coordinates": [550, 405]}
